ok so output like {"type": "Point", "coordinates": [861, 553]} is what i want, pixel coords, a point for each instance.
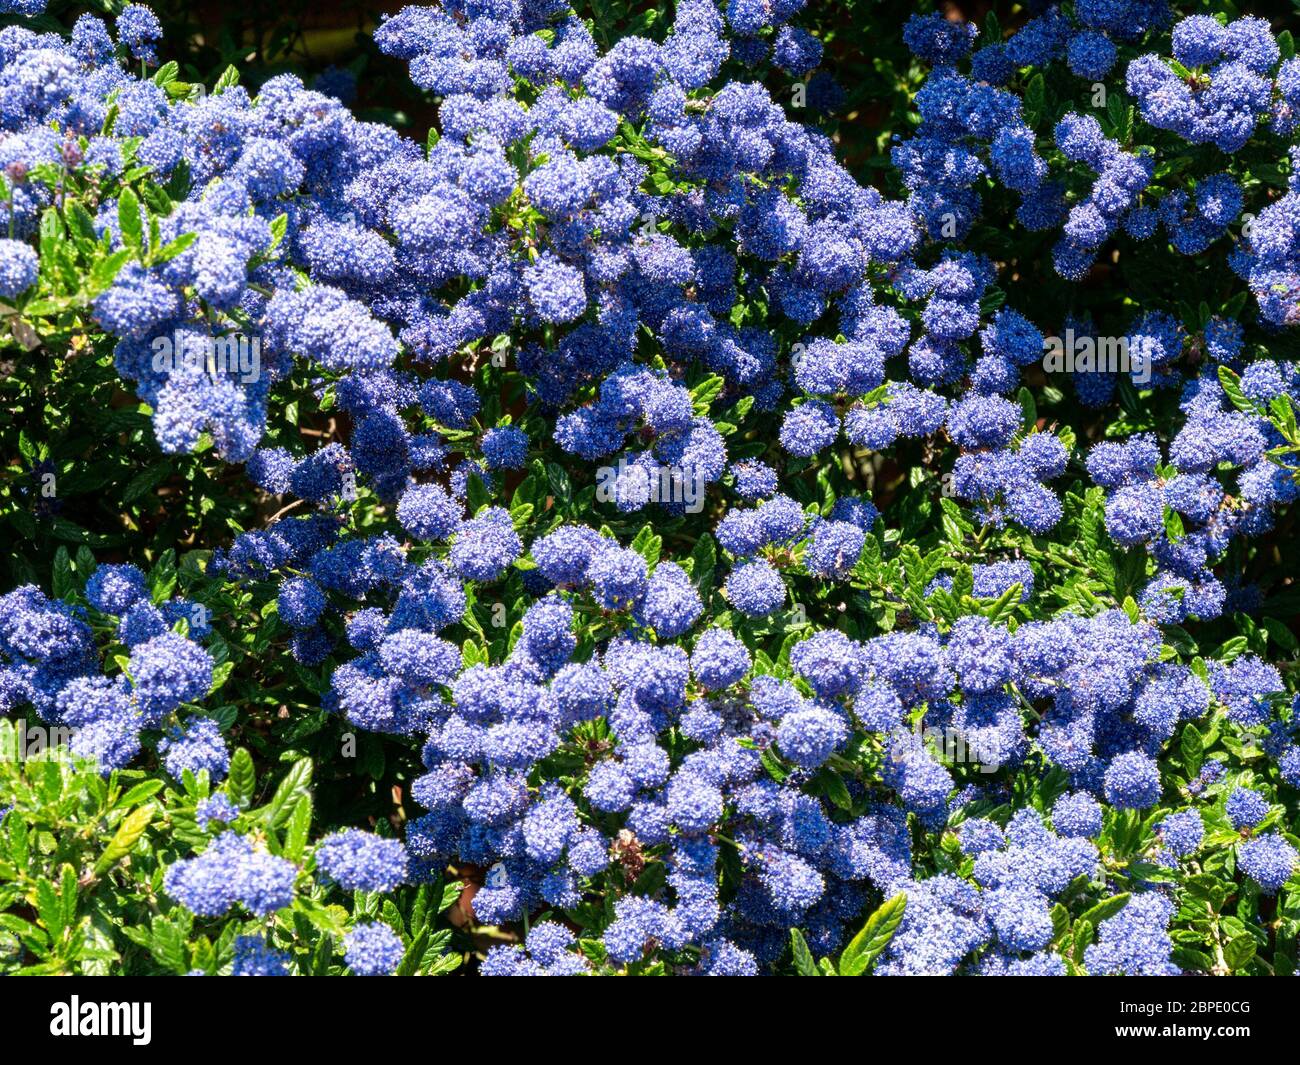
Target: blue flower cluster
{"type": "Point", "coordinates": [1180, 511]}
{"type": "Point", "coordinates": [207, 308]}
{"type": "Point", "coordinates": [373, 950]}
{"type": "Point", "coordinates": [671, 738]}
{"type": "Point", "coordinates": [1225, 85]}
{"type": "Point", "coordinates": [50, 659]}
{"type": "Point", "coordinates": [232, 870]}
{"type": "Point", "coordinates": [1104, 707]}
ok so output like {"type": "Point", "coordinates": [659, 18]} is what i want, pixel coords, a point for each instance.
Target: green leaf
{"type": "Point", "coordinates": [1084, 931]}
{"type": "Point", "coordinates": [703, 394]}
{"type": "Point", "coordinates": [146, 789]}
{"type": "Point", "coordinates": [1280, 634]}
{"type": "Point", "coordinates": [173, 248]}
{"type": "Point", "coordinates": [104, 272]}
{"type": "Point", "coordinates": [242, 778]}
{"type": "Point", "coordinates": [229, 78]}
{"type": "Point", "coordinates": [1005, 605]}
{"type": "Point", "coordinates": [1035, 98]}
{"type": "Point", "coordinates": [127, 835]}
{"type": "Point", "coordinates": [1117, 112]}
{"type": "Point", "coordinates": [19, 843]}
{"type": "Point", "coordinates": [332, 920]}
{"type": "Point", "coordinates": [1155, 874]}
{"type": "Point", "coordinates": [1029, 409]}
{"type": "Point", "coordinates": [34, 937]}
{"type": "Point", "coordinates": [704, 559]}
{"type": "Point", "coordinates": [773, 765]}
{"type": "Point", "coordinates": [293, 788]}
{"type": "Point", "coordinates": [520, 513]}
{"type": "Point", "coordinates": [279, 227]}
{"type": "Point", "coordinates": [866, 946]}
{"type": "Point", "coordinates": [81, 222]}
{"type": "Point", "coordinates": [1105, 909]}
{"type": "Point", "coordinates": [1204, 886]}
{"type": "Point", "coordinates": [146, 481]}
{"type": "Point", "coordinates": [1231, 648]}
{"type": "Point", "coordinates": [1193, 749]}
{"type": "Point", "coordinates": [165, 73]}
{"type": "Point", "coordinates": [648, 544]}
{"type": "Point", "coordinates": [63, 579]}
{"type": "Point", "coordinates": [836, 790]}
{"type": "Point", "coordinates": [476, 493]}
{"type": "Point", "coordinates": [167, 944]}
{"type": "Point", "coordinates": [85, 561]}
{"type": "Point", "coordinates": [1174, 525]}
{"type": "Point", "coordinates": [1239, 951]}
{"type": "Point", "coordinates": [1060, 922]}
{"type": "Point", "coordinates": [68, 895]}
{"type": "Point", "coordinates": [414, 954]}
{"type": "Point", "coordinates": [532, 489]}
{"type": "Point", "coordinates": [450, 893]}
{"type": "Point", "coordinates": [558, 478]}
{"type": "Point", "coordinates": [803, 959]}
{"type": "Point", "coordinates": [299, 828]}
{"type": "Point", "coordinates": [1232, 388]}
{"type": "Point", "coordinates": [130, 221]}
{"type": "Point", "coordinates": [48, 909]}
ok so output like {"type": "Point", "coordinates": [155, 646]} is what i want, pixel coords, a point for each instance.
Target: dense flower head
{"type": "Point", "coordinates": [358, 860]}
{"type": "Point", "coordinates": [755, 589]}
{"type": "Point", "coordinates": [138, 27]}
{"type": "Point", "coordinates": [545, 952]}
{"type": "Point", "coordinates": [719, 659]}
{"type": "Point", "coordinates": [1132, 782]}
{"type": "Point", "coordinates": [113, 588]}
{"type": "Point", "coordinates": [1077, 814]}
{"type": "Point", "coordinates": [372, 949]}
{"type": "Point", "coordinates": [18, 268]}
{"type": "Point", "coordinates": [215, 810]}
{"type": "Point", "coordinates": [485, 545]}
{"type": "Point", "coordinates": [1182, 832]}
{"type": "Point", "coordinates": [169, 670]}
{"type": "Point", "coordinates": [1268, 860]}
{"type": "Point", "coordinates": [199, 747]}
{"type": "Point", "coordinates": [231, 870]}
{"type": "Point", "coordinates": [1245, 808]}
{"type": "Point", "coordinates": [50, 659]}
{"type": "Point", "coordinates": [254, 958]}
{"type": "Point", "coordinates": [1134, 942]}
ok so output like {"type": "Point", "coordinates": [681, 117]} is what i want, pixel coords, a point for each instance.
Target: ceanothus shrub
{"type": "Point", "coordinates": [652, 538]}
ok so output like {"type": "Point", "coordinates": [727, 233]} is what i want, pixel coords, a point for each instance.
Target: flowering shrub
{"type": "Point", "coordinates": [612, 535]}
